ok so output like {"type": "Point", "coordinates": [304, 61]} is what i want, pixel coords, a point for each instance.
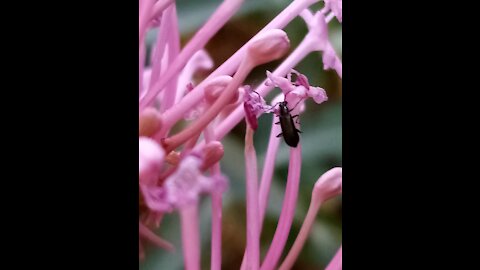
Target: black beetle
{"type": "Point", "coordinates": [289, 130]}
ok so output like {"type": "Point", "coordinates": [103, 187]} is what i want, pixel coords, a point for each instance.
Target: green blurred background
{"type": "Point", "coordinates": [321, 140]}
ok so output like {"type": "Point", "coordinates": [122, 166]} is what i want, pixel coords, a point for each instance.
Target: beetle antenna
{"type": "Point", "coordinates": [295, 104]}
{"type": "Point", "coordinates": [300, 100]}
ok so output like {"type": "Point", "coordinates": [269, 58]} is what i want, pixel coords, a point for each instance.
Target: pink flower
{"type": "Point", "coordinates": [300, 88]}
{"type": "Point", "coordinates": [183, 187]}
{"type": "Point", "coordinates": [254, 105]}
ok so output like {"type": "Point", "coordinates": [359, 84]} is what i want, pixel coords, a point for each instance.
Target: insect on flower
{"type": "Point", "coordinates": [289, 131]}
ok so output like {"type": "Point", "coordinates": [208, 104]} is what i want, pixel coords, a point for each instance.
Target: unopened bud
{"type": "Point", "coordinates": [149, 122]}
{"type": "Point", "coordinates": [328, 185]}
{"type": "Point", "coordinates": [269, 46]}
{"type": "Point", "coordinates": [150, 161]}
{"type": "Point", "coordinates": [213, 153]}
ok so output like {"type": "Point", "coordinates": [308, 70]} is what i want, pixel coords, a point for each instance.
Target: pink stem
{"type": "Point", "coordinates": [159, 49]}
{"type": "Point", "coordinates": [216, 257]}
{"type": "Point", "coordinates": [190, 236]}
{"type": "Point", "coordinates": [176, 113]}
{"type": "Point", "coordinates": [145, 10]}
{"type": "Point", "coordinates": [224, 12]}
{"type": "Point", "coordinates": [173, 50]}
{"type": "Point", "coordinates": [336, 263]}
{"type": "Point", "coordinates": [288, 210]}
{"type": "Point", "coordinates": [267, 175]}
{"type": "Point", "coordinates": [302, 236]}
{"type": "Point", "coordinates": [159, 7]}
{"type": "Point", "coordinates": [268, 169]}
{"type": "Point", "coordinates": [253, 230]}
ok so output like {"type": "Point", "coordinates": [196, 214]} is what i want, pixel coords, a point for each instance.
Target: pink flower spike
{"type": "Point", "coordinates": [336, 263]}
{"type": "Point", "coordinates": [326, 187]}
{"type": "Point", "coordinates": [150, 161]}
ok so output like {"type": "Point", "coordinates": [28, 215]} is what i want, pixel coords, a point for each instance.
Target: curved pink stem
{"type": "Point", "coordinates": [302, 237]}
{"type": "Point", "coordinates": [288, 210]}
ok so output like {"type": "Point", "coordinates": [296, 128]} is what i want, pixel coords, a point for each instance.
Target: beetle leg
{"type": "Point", "coordinates": [295, 116]}
{"type": "Point", "coordinates": [298, 131]}
{"type": "Point", "coordinates": [277, 123]}
{"type": "Point", "coordinates": [279, 135]}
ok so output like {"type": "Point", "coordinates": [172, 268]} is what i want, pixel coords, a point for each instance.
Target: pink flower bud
{"type": "Point", "coordinates": [328, 185]}
{"type": "Point", "coordinates": [213, 153]}
{"type": "Point", "coordinates": [270, 46]}
{"type": "Point", "coordinates": [149, 122]}
{"type": "Point", "coordinates": [150, 160]}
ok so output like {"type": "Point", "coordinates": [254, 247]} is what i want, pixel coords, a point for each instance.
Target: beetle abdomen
{"type": "Point", "coordinates": [289, 132]}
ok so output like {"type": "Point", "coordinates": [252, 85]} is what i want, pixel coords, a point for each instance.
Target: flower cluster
{"type": "Point", "coordinates": [176, 169]}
